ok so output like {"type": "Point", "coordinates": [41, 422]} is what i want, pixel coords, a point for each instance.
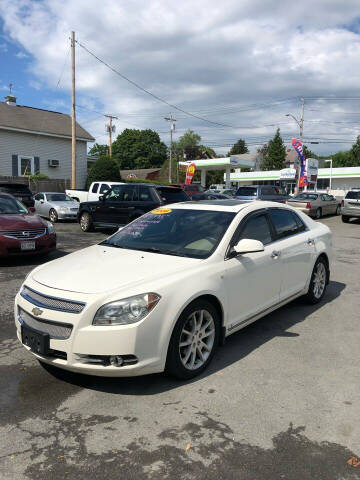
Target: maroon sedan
{"type": "Point", "coordinates": [21, 231]}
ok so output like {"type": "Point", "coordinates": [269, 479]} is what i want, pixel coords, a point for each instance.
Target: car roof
{"type": "Point", "coordinates": [225, 205]}
{"type": "Point", "coordinates": [5, 195]}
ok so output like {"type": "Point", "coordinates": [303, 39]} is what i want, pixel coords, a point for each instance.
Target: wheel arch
{"type": "Point", "coordinates": [326, 259]}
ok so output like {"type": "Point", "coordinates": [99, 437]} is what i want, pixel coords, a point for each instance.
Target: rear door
{"type": "Point", "coordinates": [295, 248]}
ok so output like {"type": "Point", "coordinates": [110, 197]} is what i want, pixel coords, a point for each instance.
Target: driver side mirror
{"type": "Point", "coordinates": [41, 201]}
{"type": "Point", "coordinates": [247, 245]}
{"type": "Point", "coordinates": [102, 198]}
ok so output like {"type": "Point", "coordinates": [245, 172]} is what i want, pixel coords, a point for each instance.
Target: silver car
{"type": "Point", "coordinates": [351, 205]}
{"type": "Point", "coordinates": [316, 204]}
{"type": "Point", "coordinates": [56, 206]}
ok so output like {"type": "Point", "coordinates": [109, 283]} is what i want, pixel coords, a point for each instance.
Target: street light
{"type": "Point", "coordinates": [292, 116]}
{"type": "Point", "coordinates": [331, 163]}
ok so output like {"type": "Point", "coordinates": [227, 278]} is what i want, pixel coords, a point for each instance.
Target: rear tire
{"type": "Point", "coordinates": [53, 216]}
{"type": "Point", "coordinates": [318, 282]}
{"type": "Point", "coordinates": [194, 340]}
{"type": "Point", "coordinates": [318, 213]}
{"type": "Point", "coordinates": [338, 210]}
{"type": "Point", "coordinates": [86, 224]}
{"type": "Point", "coordinates": [345, 218]}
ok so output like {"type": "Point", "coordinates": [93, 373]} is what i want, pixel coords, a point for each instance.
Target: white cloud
{"type": "Point", "coordinates": [21, 55]}
{"type": "Point", "coordinates": [205, 56]}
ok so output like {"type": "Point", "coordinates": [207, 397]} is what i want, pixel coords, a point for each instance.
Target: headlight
{"type": "Point", "coordinates": [126, 311]}
{"type": "Point", "coordinates": [50, 227]}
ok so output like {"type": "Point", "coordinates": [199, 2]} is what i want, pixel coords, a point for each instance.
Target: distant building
{"type": "Point", "coordinates": [141, 174]}
{"type": "Point", "coordinates": [34, 141]}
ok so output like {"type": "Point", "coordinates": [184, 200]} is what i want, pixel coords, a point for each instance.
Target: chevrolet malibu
{"type": "Point", "coordinates": [164, 291]}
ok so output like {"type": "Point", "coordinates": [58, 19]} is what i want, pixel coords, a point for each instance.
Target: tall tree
{"type": "Point", "coordinates": [354, 154]}
{"type": "Point", "coordinates": [104, 169]}
{"type": "Point", "coordinates": [187, 144]}
{"type": "Point", "coordinates": [238, 148]}
{"type": "Point", "coordinates": [276, 152]}
{"type": "Point", "coordinates": [139, 149]}
{"type": "Point", "coordinates": [98, 150]}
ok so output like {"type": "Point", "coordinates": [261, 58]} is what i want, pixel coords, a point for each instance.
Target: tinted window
{"type": "Point", "coordinates": [301, 225]}
{"type": "Point", "coordinates": [95, 187]}
{"type": "Point", "coordinates": [306, 196]}
{"type": "Point", "coordinates": [269, 191]}
{"type": "Point", "coordinates": [257, 228]}
{"type": "Point", "coordinates": [284, 222]}
{"type": "Point", "coordinates": [353, 195]}
{"type": "Point", "coordinates": [39, 196]}
{"type": "Point", "coordinates": [170, 195]}
{"type": "Point", "coordinates": [104, 188]}
{"type": "Point", "coordinates": [144, 194]}
{"type": "Point", "coordinates": [246, 192]}
{"type": "Point", "coordinates": [193, 188]}
{"type": "Point", "coordinates": [121, 193]}
{"type": "Point", "coordinates": [11, 206]}
{"type": "Point", "coordinates": [58, 197]}
{"type": "Point", "coordinates": [181, 232]}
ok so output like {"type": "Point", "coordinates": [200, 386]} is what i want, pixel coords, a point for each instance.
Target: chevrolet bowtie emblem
{"type": "Point", "coordinates": [37, 311]}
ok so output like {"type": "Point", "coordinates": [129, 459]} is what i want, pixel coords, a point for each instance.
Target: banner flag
{"type": "Point", "coordinates": [299, 150]}
{"type": "Point", "coordinates": [190, 172]}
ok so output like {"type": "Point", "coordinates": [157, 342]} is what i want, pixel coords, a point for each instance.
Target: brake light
{"type": "Point", "coordinates": [308, 205]}
{"type": "Point", "coordinates": [342, 203]}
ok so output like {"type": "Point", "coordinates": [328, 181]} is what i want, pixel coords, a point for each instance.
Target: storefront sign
{"type": "Point", "coordinates": [287, 173]}
{"type": "Point", "coordinates": [312, 169]}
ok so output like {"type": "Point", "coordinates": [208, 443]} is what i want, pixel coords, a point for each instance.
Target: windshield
{"type": "Point", "coordinates": [11, 206]}
{"type": "Point", "coordinates": [171, 194]}
{"type": "Point", "coordinates": [193, 188]}
{"type": "Point", "coordinates": [58, 197]}
{"type": "Point", "coordinates": [306, 196]}
{"type": "Point", "coordinates": [353, 195]}
{"type": "Point", "coordinates": [246, 192]}
{"type": "Point", "coordinates": [181, 232]}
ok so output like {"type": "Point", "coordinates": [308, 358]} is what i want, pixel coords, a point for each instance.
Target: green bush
{"type": "Point", "coordinates": [105, 169]}
{"type": "Point", "coordinates": [38, 176]}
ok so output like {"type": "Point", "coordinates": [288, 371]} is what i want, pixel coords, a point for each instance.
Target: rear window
{"type": "Point", "coordinates": [13, 187]}
{"type": "Point", "coordinates": [172, 194]}
{"type": "Point", "coordinates": [353, 195]}
{"type": "Point", "coordinates": [246, 192]}
{"type": "Point", "coordinates": [193, 188]}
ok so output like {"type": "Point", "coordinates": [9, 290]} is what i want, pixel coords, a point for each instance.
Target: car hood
{"type": "Point", "coordinates": [100, 269]}
{"type": "Point", "coordinates": [21, 221]}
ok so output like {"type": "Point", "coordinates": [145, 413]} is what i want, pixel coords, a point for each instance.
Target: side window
{"type": "Point", "coordinates": [301, 225]}
{"type": "Point", "coordinates": [284, 222]}
{"type": "Point", "coordinates": [144, 194]}
{"type": "Point", "coordinates": [95, 188]}
{"type": "Point", "coordinates": [268, 191]}
{"type": "Point", "coordinates": [104, 188]}
{"type": "Point", "coordinates": [257, 228]}
{"type": "Point", "coordinates": [121, 193]}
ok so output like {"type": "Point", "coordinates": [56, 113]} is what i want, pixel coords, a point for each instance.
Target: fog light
{"type": "Point", "coordinates": [116, 361]}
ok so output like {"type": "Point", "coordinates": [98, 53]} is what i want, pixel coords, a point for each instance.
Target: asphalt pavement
{"type": "Point", "coordinates": [281, 399]}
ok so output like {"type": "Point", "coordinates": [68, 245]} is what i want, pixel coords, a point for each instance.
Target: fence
{"type": "Point", "coordinates": [41, 185]}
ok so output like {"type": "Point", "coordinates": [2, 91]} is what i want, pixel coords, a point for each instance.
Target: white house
{"type": "Point", "coordinates": [33, 141]}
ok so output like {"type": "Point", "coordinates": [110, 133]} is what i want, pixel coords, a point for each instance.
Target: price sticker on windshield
{"type": "Point", "coordinates": [161, 211]}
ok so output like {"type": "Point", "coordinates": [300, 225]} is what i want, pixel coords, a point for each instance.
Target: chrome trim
{"type": "Point", "coordinates": [39, 303]}
{"type": "Point", "coordinates": [13, 233]}
{"type": "Point", "coordinates": [56, 330]}
{"type": "Point", "coordinates": [268, 309]}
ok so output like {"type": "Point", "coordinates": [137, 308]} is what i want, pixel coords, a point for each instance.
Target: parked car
{"type": "Point", "coordinates": [316, 204]}
{"type": "Point", "coordinates": [262, 192]}
{"type": "Point", "coordinates": [165, 290]}
{"type": "Point", "coordinates": [230, 192]}
{"type": "Point", "coordinates": [18, 190]}
{"type": "Point", "coordinates": [21, 231]}
{"type": "Point", "coordinates": [350, 206]}
{"type": "Point", "coordinates": [95, 191]}
{"type": "Point", "coordinates": [56, 206]}
{"type": "Point", "coordinates": [123, 203]}
{"type": "Point", "coordinates": [210, 196]}
{"type": "Point", "coordinates": [190, 190]}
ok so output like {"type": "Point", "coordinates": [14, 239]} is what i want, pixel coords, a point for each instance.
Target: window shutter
{"type": "Point", "coordinates": [36, 165]}
{"type": "Point", "coordinates": [15, 172]}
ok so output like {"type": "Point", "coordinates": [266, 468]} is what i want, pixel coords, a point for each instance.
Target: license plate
{"type": "Point", "coordinates": [27, 245]}
{"type": "Point", "coordinates": [38, 342]}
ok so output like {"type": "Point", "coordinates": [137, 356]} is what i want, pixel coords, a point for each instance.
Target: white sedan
{"type": "Point", "coordinates": [164, 291]}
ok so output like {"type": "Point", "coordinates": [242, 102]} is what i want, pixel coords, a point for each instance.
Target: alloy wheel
{"type": "Point", "coordinates": [197, 339]}
{"type": "Point", "coordinates": [53, 216]}
{"type": "Point", "coordinates": [319, 280]}
{"type": "Point", "coordinates": [84, 222]}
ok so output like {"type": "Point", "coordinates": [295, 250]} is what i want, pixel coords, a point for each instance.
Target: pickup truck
{"type": "Point", "coordinates": [95, 191]}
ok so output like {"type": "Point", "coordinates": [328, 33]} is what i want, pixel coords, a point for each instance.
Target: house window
{"type": "Point", "coordinates": [26, 166]}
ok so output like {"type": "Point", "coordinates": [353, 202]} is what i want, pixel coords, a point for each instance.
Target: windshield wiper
{"type": "Point", "coordinates": [163, 251]}
{"type": "Point", "coordinates": [108, 244]}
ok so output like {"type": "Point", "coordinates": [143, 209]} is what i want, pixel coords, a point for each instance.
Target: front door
{"type": "Point", "coordinates": [252, 280]}
{"type": "Point", "coordinates": [296, 248]}
{"type": "Point", "coordinates": [117, 205]}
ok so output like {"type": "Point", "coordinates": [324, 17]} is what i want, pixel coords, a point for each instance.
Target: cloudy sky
{"type": "Point", "coordinates": [241, 64]}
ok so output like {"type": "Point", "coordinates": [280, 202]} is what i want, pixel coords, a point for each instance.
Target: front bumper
{"type": "Point", "coordinates": [67, 215]}
{"type": "Point", "coordinates": [11, 246]}
{"type": "Point", "coordinates": [139, 341]}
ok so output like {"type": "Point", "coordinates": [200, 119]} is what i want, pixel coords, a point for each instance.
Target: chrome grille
{"type": "Point", "coordinates": [58, 331]}
{"type": "Point", "coordinates": [24, 234]}
{"type": "Point", "coordinates": [52, 303]}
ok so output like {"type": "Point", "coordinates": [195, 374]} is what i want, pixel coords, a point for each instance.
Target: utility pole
{"type": "Point", "coordinates": [172, 127]}
{"type": "Point", "coordinates": [111, 129]}
{"type": "Point", "coordinates": [301, 125]}
{"type": "Point", "coordinates": [73, 113]}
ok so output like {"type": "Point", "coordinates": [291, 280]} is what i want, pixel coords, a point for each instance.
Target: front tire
{"type": "Point", "coordinates": [345, 218]}
{"type": "Point", "coordinates": [194, 340]}
{"type": "Point", "coordinates": [86, 222]}
{"type": "Point", "coordinates": [318, 282]}
{"type": "Point", "coordinates": [53, 216]}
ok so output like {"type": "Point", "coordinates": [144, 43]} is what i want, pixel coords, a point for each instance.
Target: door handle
{"type": "Point", "coordinates": [275, 254]}
{"type": "Point", "coordinates": [310, 242]}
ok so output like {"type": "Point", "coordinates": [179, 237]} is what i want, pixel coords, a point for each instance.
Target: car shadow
{"type": "Point", "coordinates": [31, 260]}
{"type": "Point", "coordinates": [237, 346]}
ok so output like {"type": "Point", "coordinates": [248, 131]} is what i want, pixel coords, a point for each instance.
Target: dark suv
{"type": "Point", "coordinates": [20, 191]}
{"type": "Point", "coordinates": [271, 193]}
{"type": "Point", "coordinates": [123, 203]}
